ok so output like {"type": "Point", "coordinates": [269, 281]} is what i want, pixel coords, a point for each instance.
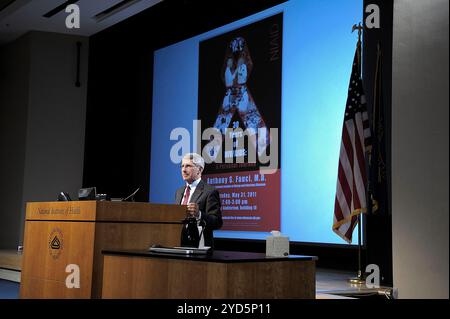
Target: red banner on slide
{"type": "Point", "coordinates": [250, 200]}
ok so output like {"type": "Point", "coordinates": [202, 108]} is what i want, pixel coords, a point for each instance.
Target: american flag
{"type": "Point", "coordinates": [351, 183]}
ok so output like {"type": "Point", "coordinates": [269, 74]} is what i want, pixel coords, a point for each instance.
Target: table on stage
{"type": "Point", "coordinates": [222, 274]}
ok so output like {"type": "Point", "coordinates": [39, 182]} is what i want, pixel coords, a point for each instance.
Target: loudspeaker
{"type": "Point", "coordinates": [87, 193]}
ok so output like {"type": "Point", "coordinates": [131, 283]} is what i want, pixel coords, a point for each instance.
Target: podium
{"type": "Point", "coordinates": [64, 241]}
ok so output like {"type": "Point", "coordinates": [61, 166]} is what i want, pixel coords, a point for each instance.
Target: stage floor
{"type": "Point", "coordinates": [334, 284]}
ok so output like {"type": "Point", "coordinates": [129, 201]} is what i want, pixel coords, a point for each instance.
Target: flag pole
{"type": "Point", "coordinates": [360, 278]}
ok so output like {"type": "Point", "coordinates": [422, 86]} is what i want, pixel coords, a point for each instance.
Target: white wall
{"type": "Point", "coordinates": [52, 125]}
{"type": "Point", "coordinates": [420, 140]}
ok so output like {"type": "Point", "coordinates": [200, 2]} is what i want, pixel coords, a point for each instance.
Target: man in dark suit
{"type": "Point", "coordinates": [202, 200]}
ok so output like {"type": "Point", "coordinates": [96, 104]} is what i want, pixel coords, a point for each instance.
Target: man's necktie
{"type": "Point", "coordinates": [186, 196]}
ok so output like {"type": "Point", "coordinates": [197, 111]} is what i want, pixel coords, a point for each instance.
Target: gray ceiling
{"type": "Point", "coordinates": [17, 17]}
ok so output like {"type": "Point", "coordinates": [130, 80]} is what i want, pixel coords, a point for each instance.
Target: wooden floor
{"type": "Point", "coordinates": [10, 259]}
{"type": "Point", "coordinates": [10, 265]}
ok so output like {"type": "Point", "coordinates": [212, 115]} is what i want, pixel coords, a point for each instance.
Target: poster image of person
{"type": "Point", "coordinates": [239, 102]}
{"type": "Point", "coordinates": [238, 67]}
{"type": "Point", "coordinates": [239, 88]}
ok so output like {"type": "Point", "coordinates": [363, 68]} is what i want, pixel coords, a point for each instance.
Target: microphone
{"type": "Point", "coordinates": [131, 196]}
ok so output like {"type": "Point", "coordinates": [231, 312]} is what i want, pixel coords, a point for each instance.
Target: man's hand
{"type": "Point", "coordinates": [192, 210]}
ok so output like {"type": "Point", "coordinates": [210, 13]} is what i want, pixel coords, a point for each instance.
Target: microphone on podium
{"type": "Point", "coordinates": [131, 196]}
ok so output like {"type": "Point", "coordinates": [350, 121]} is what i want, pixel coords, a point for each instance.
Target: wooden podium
{"type": "Point", "coordinates": [60, 236]}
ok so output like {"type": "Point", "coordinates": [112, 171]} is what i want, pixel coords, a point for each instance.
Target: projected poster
{"type": "Point", "coordinates": [239, 99]}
